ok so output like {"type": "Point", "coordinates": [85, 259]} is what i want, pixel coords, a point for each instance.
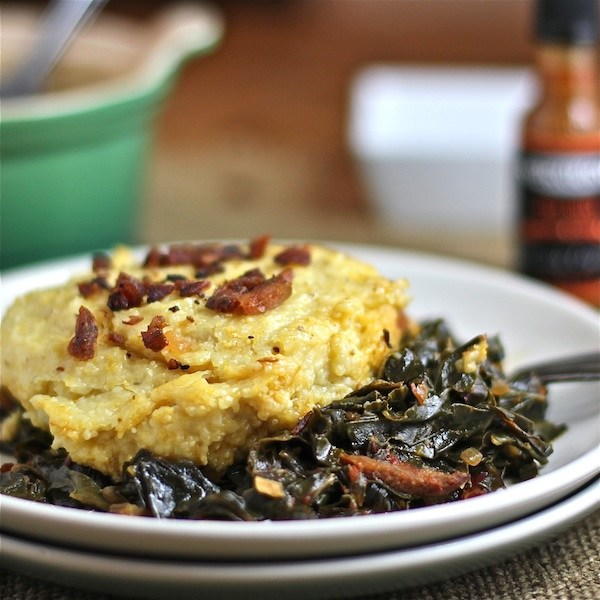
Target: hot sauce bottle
{"type": "Point", "coordinates": [559, 174]}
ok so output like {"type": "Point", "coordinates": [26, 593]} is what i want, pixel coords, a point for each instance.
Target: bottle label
{"type": "Point", "coordinates": [560, 219]}
{"type": "Point", "coordinates": [562, 175]}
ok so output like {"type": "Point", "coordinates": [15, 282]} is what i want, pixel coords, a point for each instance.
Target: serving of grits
{"type": "Point", "coordinates": [198, 352]}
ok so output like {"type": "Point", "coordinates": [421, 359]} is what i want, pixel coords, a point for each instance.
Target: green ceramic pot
{"type": "Point", "coordinates": [72, 162]}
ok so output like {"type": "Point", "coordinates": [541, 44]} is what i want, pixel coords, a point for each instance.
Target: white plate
{"type": "Point", "coordinates": [535, 322]}
{"type": "Point", "coordinates": [324, 578]}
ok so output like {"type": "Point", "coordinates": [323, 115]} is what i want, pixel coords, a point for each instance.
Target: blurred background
{"type": "Point", "coordinates": [383, 121]}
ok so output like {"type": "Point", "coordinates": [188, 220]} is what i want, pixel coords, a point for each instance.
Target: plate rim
{"type": "Point", "coordinates": [233, 577]}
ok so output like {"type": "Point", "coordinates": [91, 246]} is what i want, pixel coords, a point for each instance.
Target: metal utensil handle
{"type": "Point", "coordinates": [584, 367]}
{"type": "Point", "coordinates": [61, 22]}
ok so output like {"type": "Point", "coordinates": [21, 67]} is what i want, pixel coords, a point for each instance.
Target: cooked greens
{"type": "Point", "coordinates": [442, 423]}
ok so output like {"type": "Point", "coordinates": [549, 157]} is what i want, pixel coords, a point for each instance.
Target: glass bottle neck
{"type": "Point", "coordinates": [567, 70]}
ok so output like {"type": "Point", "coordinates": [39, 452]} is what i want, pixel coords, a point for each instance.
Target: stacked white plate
{"type": "Point", "coordinates": [349, 556]}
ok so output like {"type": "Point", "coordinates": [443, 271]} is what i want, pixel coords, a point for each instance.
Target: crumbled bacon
{"type": "Point", "coordinates": [252, 293]}
{"type": "Point", "coordinates": [116, 338]}
{"type": "Point", "coordinates": [101, 262]}
{"type": "Point", "coordinates": [191, 288]}
{"type": "Point", "coordinates": [94, 286]}
{"type": "Point", "coordinates": [209, 270]}
{"type": "Point", "coordinates": [408, 478]}
{"type": "Point", "coordinates": [153, 337]}
{"type": "Point", "coordinates": [158, 291]}
{"type": "Point", "coordinates": [127, 293]}
{"type": "Point", "coordinates": [152, 259]}
{"type": "Point", "coordinates": [294, 255]}
{"type": "Point", "coordinates": [133, 320]}
{"type": "Point", "coordinates": [258, 246]}
{"type": "Point", "coordinates": [83, 344]}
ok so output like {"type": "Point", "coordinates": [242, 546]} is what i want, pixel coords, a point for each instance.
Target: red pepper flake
{"type": "Point", "coordinates": [83, 344]}
{"type": "Point", "coordinates": [407, 478]}
{"type": "Point", "coordinates": [252, 293]}
{"type": "Point", "coordinates": [101, 262]}
{"type": "Point", "coordinates": [173, 364]}
{"type": "Point", "coordinates": [133, 320]}
{"type": "Point", "coordinates": [258, 246]}
{"type": "Point", "coordinates": [191, 288]}
{"type": "Point", "coordinates": [158, 291]}
{"type": "Point", "coordinates": [94, 286]}
{"type": "Point", "coordinates": [153, 337]}
{"type": "Point", "coordinates": [116, 338]}
{"type": "Point", "coordinates": [294, 255]}
{"type": "Point", "coordinates": [127, 293]}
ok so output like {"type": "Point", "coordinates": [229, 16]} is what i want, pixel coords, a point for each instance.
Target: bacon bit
{"type": "Point", "coordinates": [116, 338]}
{"type": "Point", "coordinates": [258, 246]}
{"type": "Point", "coordinates": [94, 286]}
{"type": "Point", "coordinates": [231, 251]}
{"type": "Point", "coordinates": [209, 270]}
{"type": "Point", "coordinates": [407, 478]}
{"type": "Point", "coordinates": [152, 259]}
{"type": "Point", "coordinates": [191, 288]}
{"type": "Point", "coordinates": [173, 364]}
{"type": "Point", "coordinates": [294, 255]}
{"type": "Point", "coordinates": [101, 262]}
{"type": "Point", "coordinates": [127, 293]}
{"type": "Point", "coordinates": [158, 291]}
{"type": "Point", "coordinates": [419, 391]}
{"type": "Point", "coordinates": [133, 320]}
{"type": "Point", "coordinates": [154, 338]}
{"type": "Point", "coordinates": [251, 293]}
{"type": "Point", "coordinates": [83, 344]}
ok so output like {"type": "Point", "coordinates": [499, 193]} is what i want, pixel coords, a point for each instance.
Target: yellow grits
{"type": "Point", "coordinates": [248, 376]}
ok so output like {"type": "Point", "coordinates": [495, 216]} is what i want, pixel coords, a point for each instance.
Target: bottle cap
{"type": "Point", "coordinates": [567, 21]}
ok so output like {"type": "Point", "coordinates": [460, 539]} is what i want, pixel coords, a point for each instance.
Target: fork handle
{"type": "Point", "coordinates": [583, 367]}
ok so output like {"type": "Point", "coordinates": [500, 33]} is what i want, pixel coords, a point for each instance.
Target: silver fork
{"type": "Point", "coordinates": [582, 367]}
